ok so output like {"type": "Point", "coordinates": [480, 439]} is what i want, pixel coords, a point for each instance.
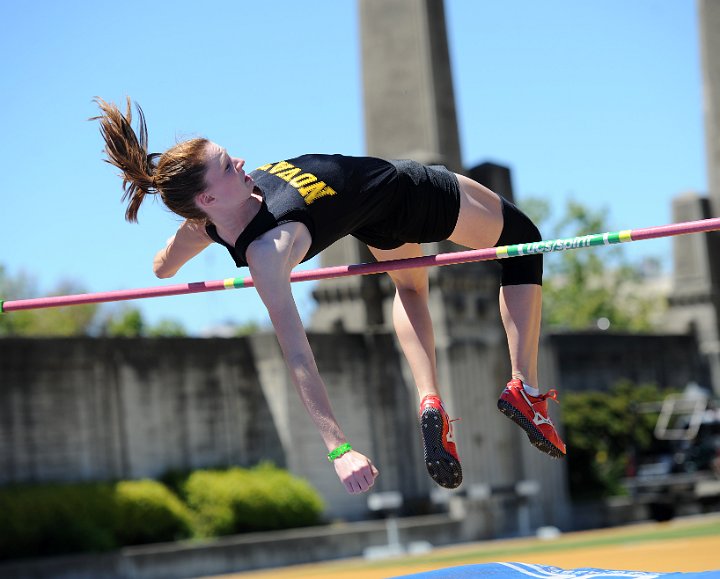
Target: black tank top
{"type": "Point", "coordinates": [379, 202]}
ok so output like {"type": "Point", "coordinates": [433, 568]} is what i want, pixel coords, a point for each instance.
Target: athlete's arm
{"type": "Point", "coordinates": [189, 240]}
{"type": "Point", "coordinates": [271, 259]}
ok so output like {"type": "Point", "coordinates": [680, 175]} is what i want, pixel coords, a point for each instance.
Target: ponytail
{"type": "Point", "coordinates": [127, 150]}
{"type": "Point", "coordinates": [178, 174]}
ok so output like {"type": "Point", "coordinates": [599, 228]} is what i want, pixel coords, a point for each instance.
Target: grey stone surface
{"type": "Point", "coordinates": [192, 559]}
{"type": "Point", "coordinates": [89, 409]}
{"type": "Point", "coordinates": [408, 91]}
{"type": "Point", "coordinates": [695, 298]}
{"type": "Point", "coordinates": [409, 107]}
{"type": "Point", "coordinates": [709, 24]}
{"type": "Point", "coordinates": [99, 409]}
{"type": "Point", "coordinates": [594, 361]}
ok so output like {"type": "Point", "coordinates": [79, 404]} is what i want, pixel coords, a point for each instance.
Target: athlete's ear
{"type": "Point", "coordinates": [205, 199]}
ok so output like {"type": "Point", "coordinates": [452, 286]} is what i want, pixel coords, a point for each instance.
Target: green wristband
{"type": "Point", "coordinates": [339, 451]}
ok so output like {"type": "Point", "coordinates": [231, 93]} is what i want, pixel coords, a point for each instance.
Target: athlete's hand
{"type": "Point", "coordinates": [355, 471]}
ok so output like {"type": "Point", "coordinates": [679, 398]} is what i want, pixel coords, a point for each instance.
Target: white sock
{"type": "Point", "coordinates": [531, 390]}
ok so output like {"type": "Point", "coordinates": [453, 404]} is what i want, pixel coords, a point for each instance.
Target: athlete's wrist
{"type": "Point", "coordinates": [339, 451]}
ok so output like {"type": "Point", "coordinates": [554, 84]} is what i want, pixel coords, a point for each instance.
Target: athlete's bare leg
{"type": "Point", "coordinates": [411, 318]}
{"type": "Point", "coordinates": [479, 225]}
{"type": "Point", "coordinates": [520, 308]}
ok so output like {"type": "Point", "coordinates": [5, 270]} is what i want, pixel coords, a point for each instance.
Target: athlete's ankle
{"type": "Point", "coordinates": [531, 390]}
{"type": "Point", "coordinates": [425, 395]}
{"type": "Point", "coordinates": [527, 385]}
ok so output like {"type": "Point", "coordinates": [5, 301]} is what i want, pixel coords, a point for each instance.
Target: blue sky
{"type": "Point", "coordinates": [599, 101]}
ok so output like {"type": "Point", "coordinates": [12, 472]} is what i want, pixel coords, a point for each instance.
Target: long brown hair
{"type": "Point", "coordinates": [178, 174]}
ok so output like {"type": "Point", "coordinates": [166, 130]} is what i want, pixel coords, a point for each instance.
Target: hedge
{"type": "Point", "coordinates": [148, 512]}
{"type": "Point", "coordinates": [241, 500]}
{"type": "Point", "coordinates": [69, 518]}
{"type": "Point", "coordinates": [53, 519]}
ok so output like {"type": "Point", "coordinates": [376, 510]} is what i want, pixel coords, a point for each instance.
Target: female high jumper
{"type": "Point", "coordinates": [286, 212]}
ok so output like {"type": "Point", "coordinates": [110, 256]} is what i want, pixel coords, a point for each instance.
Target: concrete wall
{"type": "Point", "coordinates": [372, 403]}
{"type": "Point", "coordinates": [191, 559]}
{"type": "Point", "coordinates": [88, 409]}
{"type": "Point", "coordinates": [597, 360]}
{"type": "Point", "coordinates": [98, 409]}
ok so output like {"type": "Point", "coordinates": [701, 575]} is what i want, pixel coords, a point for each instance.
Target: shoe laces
{"type": "Point", "coordinates": [450, 431]}
{"type": "Point", "coordinates": [551, 394]}
{"type": "Point", "coordinates": [442, 406]}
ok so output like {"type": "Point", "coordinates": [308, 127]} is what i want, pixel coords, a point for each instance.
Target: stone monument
{"type": "Point", "coordinates": [410, 113]}
{"type": "Point", "coordinates": [695, 298]}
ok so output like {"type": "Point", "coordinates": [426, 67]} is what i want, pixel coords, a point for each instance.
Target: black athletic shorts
{"type": "Point", "coordinates": [426, 207]}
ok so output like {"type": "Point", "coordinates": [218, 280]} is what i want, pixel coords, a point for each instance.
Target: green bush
{"type": "Point", "coordinates": [602, 431]}
{"type": "Point", "coordinates": [147, 512]}
{"type": "Point", "coordinates": [259, 499]}
{"type": "Point", "coordinates": [56, 519]}
{"type": "Point", "coordinates": [209, 495]}
{"type": "Point", "coordinates": [296, 503]}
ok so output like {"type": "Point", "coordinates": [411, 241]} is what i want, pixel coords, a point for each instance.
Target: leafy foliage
{"type": "Point", "coordinates": [53, 519]}
{"type": "Point", "coordinates": [581, 287]}
{"type": "Point", "coordinates": [79, 320]}
{"type": "Point", "coordinates": [247, 329]}
{"type": "Point", "coordinates": [69, 321]}
{"type": "Point", "coordinates": [167, 328]}
{"type": "Point", "coordinates": [259, 499]}
{"type": "Point", "coordinates": [603, 431]}
{"type": "Point", "coordinates": [147, 512]}
{"type": "Point", "coordinates": [128, 323]}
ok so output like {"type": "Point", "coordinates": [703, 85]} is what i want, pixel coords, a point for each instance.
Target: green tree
{"type": "Point", "coordinates": [603, 431]}
{"type": "Point", "coordinates": [87, 319]}
{"type": "Point", "coordinates": [247, 329]}
{"type": "Point", "coordinates": [128, 322]}
{"type": "Point", "coordinates": [46, 322]}
{"type": "Point", "coordinates": [167, 328]}
{"type": "Point", "coordinates": [585, 286]}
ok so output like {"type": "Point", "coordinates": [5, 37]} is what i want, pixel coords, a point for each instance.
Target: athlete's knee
{"type": "Point", "coordinates": [518, 228]}
{"type": "Point", "coordinates": [414, 281]}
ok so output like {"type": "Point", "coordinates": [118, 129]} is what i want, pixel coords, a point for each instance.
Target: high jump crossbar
{"type": "Point", "coordinates": [503, 252]}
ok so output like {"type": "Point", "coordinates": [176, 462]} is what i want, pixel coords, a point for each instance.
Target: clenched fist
{"type": "Point", "coordinates": [355, 471]}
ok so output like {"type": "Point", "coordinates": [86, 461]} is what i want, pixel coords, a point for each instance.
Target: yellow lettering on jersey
{"type": "Point", "coordinates": [302, 180]}
{"type": "Point", "coordinates": [326, 190]}
{"type": "Point", "coordinates": [281, 166]}
{"type": "Point", "coordinates": [288, 174]}
{"type": "Point", "coordinates": [307, 184]}
{"type": "Point", "coordinates": [313, 189]}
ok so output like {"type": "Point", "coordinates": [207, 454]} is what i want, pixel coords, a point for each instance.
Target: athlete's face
{"type": "Point", "coordinates": [227, 184]}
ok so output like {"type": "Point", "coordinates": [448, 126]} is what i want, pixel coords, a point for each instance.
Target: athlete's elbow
{"type": "Point", "coordinates": [162, 271]}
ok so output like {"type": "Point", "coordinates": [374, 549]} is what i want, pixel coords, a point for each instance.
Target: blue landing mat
{"type": "Point", "coordinates": [525, 570]}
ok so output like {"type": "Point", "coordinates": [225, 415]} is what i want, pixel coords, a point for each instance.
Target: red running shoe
{"type": "Point", "coordinates": [530, 413]}
{"type": "Point", "coordinates": [441, 457]}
